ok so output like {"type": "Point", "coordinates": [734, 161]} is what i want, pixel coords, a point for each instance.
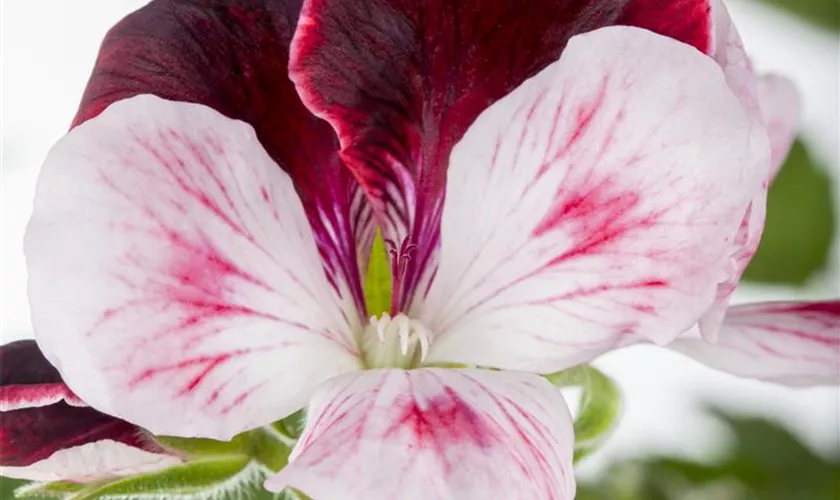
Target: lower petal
{"type": "Point", "coordinates": [434, 434]}
{"type": "Point", "coordinates": [792, 343]}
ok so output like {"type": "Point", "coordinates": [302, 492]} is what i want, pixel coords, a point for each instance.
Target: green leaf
{"type": "Point", "coordinates": [800, 223]}
{"type": "Point", "coordinates": [822, 13]}
{"type": "Point", "coordinates": [56, 489]}
{"type": "Point", "coordinates": [206, 478]}
{"type": "Point", "coordinates": [378, 278]}
{"type": "Point", "coordinates": [600, 406]}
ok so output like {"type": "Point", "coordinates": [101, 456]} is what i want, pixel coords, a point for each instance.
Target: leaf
{"type": "Point", "coordinates": [600, 406]}
{"type": "Point", "coordinates": [800, 223]}
{"type": "Point", "coordinates": [378, 279]}
{"type": "Point", "coordinates": [822, 13]}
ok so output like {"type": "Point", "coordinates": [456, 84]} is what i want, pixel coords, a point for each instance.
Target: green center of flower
{"type": "Point", "coordinates": [398, 342]}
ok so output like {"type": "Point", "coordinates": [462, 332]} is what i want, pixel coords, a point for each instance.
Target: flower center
{"type": "Point", "coordinates": [398, 342]}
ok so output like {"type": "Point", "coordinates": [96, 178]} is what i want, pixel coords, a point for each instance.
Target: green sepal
{"type": "Point", "coordinates": [269, 448]}
{"type": "Point", "coordinates": [212, 477]}
{"type": "Point", "coordinates": [201, 447]}
{"type": "Point", "coordinates": [292, 426]}
{"type": "Point", "coordinates": [55, 489]}
{"type": "Point", "coordinates": [378, 278]}
{"type": "Point", "coordinates": [600, 406]}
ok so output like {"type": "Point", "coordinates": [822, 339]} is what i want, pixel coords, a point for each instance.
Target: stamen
{"type": "Point", "coordinates": [398, 341]}
{"type": "Point", "coordinates": [400, 258]}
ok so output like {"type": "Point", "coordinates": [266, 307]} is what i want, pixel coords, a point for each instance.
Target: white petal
{"type": "Point", "coordinates": [91, 462]}
{"type": "Point", "coordinates": [786, 342]}
{"type": "Point", "coordinates": [781, 107]}
{"type": "Point", "coordinates": [597, 201]}
{"type": "Point", "coordinates": [434, 434]}
{"type": "Point", "coordinates": [173, 276]}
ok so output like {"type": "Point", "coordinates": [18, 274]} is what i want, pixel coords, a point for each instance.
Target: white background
{"type": "Point", "coordinates": [48, 51]}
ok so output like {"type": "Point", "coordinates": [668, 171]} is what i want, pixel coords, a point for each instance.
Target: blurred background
{"type": "Point", "coordinates": [688, 432]}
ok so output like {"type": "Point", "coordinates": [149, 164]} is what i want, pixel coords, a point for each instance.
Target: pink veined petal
{"type": "Point", "coordinates": [728, 51]}
{"type": "Point", "coordinates": [792, 343]}
{"type": "Point", "coordinates": [173, 276]}
{"type": "Point", "coordinates": [781, 107]}
{"type": "Point", "coordinates": [402, 80]}
{"type": "Point", "coordinates": [233, 55]}
{"type": "Point", "coordinates": [592, 204]}
{"type": "Point", "coordinates": [93, 461]}
{"type": "Point", "coordinates": [47, 433]}
{"type": "Point", "coordinates": [434, 434]}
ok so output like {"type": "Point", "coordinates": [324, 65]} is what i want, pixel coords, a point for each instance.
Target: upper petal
{"type": "Point", "coordinates": [402, 80]}
{"type": "Point", "coordinates": [793, 343]}
{"type": "Point", "coordinates": [47, 433]}
{"type": "Point", "coordinates": [598, 200]}
{"type": "Point", "coordinates": [232, 56]}
{"type": "Point", "coordinates": [434, 434]}
{"type": "Point", "coordinates": [173, 276]}
{"type": "Point", "coordinates": [781, 107]}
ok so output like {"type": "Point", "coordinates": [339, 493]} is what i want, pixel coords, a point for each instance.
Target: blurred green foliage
{"type": "Point", "coordinates": [765, 461]}
{"type": "Point", "coordinates": [800, 223]}
{"type": "Point", "coordinates": [823, 13]}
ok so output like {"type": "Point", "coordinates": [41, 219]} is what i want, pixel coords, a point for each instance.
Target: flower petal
{"type": "Point", "coordinates": [792, 343]}
{"type": "Point", "coordinates": [780, 109]}
{"type": "Point", "coordinates": [173, 276]}
{"type": "Point", "coordinates": [46, 432]}
{"type": "Point", "coordinates": [233, 56]}
{"type": "Point", "coordinates": [434, 433]}
{"type": "Point", "coordinates": [93, 461]}
{"type": "Point", "coordinates": [28, 380]}
{"type": "Point", "coordinates": [689, 21]}
{"type": "Point", "coordinates": [728, 51]}
{"type": "Point", "coordinates": [401, 81]}
{"type": "Point", "coordinates": [591, 204]}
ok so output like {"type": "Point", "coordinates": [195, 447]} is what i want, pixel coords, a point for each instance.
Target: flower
{"type": "Point", "coordinates": [553, 181]}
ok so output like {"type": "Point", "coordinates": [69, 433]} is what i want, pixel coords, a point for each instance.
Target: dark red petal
{"type": "Point", "coordinates": [21, 362]}
{"type": "Point", "coordinates": [233, 56]}
{"type": "Point", "coordinates": [689, 21]}
{"type": "Point", "coordinates": [32, 434]}
{"type": "Point", "coordinates": [48, 424]}
{"type": "Point", "coordinates": [401, 80]}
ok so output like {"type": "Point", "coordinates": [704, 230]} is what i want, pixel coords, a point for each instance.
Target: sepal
{"type": "Point", "coordinates": [600, 406]}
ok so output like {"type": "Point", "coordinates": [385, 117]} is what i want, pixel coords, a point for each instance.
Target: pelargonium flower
{"type": "Point", "coordinates": [552, 180]}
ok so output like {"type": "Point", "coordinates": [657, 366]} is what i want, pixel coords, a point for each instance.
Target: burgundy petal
{"type": "Point", "coordinates": [689, 21]}
{"type": "Point", "coordinates": [233, 56]}
{"type": "Point", "coordinates": [34, 431]}
{"type": "Point", "coordinates": [401, 81]}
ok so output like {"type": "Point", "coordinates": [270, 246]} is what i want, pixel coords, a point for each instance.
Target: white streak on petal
{"type": "Point", "coordinates": [93, 461]}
